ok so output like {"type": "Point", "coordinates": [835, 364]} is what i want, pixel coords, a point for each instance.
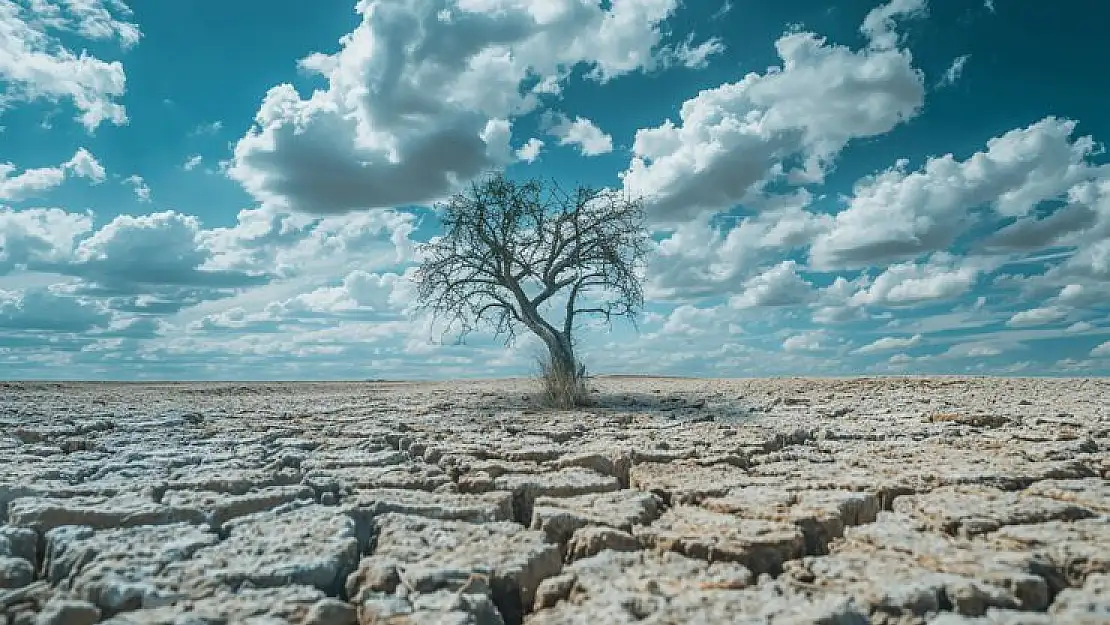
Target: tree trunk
{"type": "Point", "coordinates": [562, 356]}
{"type": "Point", "coordinates": [564, 367]}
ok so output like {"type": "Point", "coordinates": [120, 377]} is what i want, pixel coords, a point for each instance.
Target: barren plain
{"type": "Point", "coordinates": [946, 501]}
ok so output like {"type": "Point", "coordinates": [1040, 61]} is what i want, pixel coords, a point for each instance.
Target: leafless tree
{"type": "Point", "coordinates": [529, 255]}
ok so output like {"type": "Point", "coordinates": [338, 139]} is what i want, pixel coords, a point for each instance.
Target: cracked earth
{"type": "Point", "coordinates": [891, 501]}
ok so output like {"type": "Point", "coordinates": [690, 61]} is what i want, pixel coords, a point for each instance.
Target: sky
{"type": "Point", "coordinates": [239, 190]}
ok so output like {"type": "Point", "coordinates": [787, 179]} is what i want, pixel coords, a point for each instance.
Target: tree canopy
{"type": "Point", "coordinates": [510, 250]}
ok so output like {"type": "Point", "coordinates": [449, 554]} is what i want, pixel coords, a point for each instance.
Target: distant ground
{"type": "Point", "coordinates": [881, 500]}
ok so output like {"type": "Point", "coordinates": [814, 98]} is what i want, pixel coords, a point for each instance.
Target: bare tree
{"type": "Point", "coordinates": [513, 253]}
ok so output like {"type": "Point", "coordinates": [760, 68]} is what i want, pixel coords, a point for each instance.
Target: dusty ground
{"type": "Point", "coordinates": [947, 501]}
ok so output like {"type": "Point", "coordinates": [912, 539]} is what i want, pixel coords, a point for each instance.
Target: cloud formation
{"type": "Point", "coordinates": [15, 187]}
{"type": "Point", "coordinates": [36, 65]}
{"type": "Point", "coordinates": [580, 132]}
{"type": "Point", "coordinates": [422, 96]}
{"type": "Point", "coordinates": [734, 140]}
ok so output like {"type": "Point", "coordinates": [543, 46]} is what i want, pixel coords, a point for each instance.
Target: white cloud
{"type": "Point", "coordinates": [687, 320]}
{"type": "Point", "coordinates": [581, 132]}
{"type": "Point", "coordinates": [44, 310]}
{"type": "Point", "coordinates": [954, 71]}
{"type": "Point", "coordinates": [39, 238]}
{"type": "Point", "coordinates": [153, 239]}
{"type": "Point", "coordinates": [530, 151]}
{"type": "Point", "coordinates": [164, 262]}
{"type": "Point", "coordinates": [163, 254]}
{"type": "Point", "coordinates": [36, 65]}
{"type": "Point", "coordinates": [28, 183]}
{"type": "Point", "coordinates": [413, 91]}
{"type": "Point", "coordinates": [887, 343]}
{"type": "Point", "coordinates": [1035, 232]}
{"type": "Point", "coordinates": [733, 139]}
{"type": "Point", "coordinates": [292, 245]}
{"type": "Point", "coordinates": [805, 342]}
{"type": "Point", "coordinates": [973, 350]}
{"type": "Point", "coordinates": [1091, 235]}
{"type": "Point", "coordinates": [192, 162]}
{"type": "Point", "coordinates": [1092, 260]}
{"type": "Point", "coordinates": [1083, 295]}
{"type": "Point", "coordinates": [908, 284]}
{"type": "Point", "coordinates": [1101, 351]}
{"type": "Point", "coordinates": [900, 360]}
{"type": "Point", "coordinates": [92, 19]}
{"type": "Point", "coordinates": [778, 286]}
{"type": "Point", "coordinates": [879, 24]}
{"type": "Point", "coordinates": [1036, 317]}
{"type": "Point", "coordinates": [85, 165]}
{"type": "Point", "coordinates": [695, 56]}
{"type": "Point", "coordinates": [1079, 327]}
{"type": "Point", "coordinates": [699, 259]}
{"type": "Point", "coordinates": [139, 186]}
{"type": "Point", "coordinates": [359, 290]}
{"type": "Point", "coordinates": [35, 181]}
{"type": "Point", "coordinates": [899, 215]}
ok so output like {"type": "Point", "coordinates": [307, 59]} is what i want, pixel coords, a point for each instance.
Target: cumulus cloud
{"type": "Point", "coordinates": [1079, 327]}
{"type": "Point", "coordinates": [164, 263]}
{"type": "Point", "coordinates": [1091, 259]}
{"type": "Point", "coordinates": [687, 320]}
{"type": "Point", "coordinates": [139, 186]}
{"type": "Point", "coordinates": [778, 286]}
{"type": "Point", "coordinates": [888, 343]}
{"type": "Point", "coordinates": [1101, 351]}
{"type": "Point", "coordinates": [580, 132]}
{"type": "Point", "coordinates": [39, 238]}
{"type": "Point", "coordinates": [1035, 232]}
{"type": "Point", "coordinates": [45, 310]}
{"type": "Point", "coordinates": [908, 284]}
{"type": "Point", "coordinates": [1083, 295]}
{"type": "Point", "coordinates": [15, 187]}
{"type": "Point", "coordinates": [192, 162]}
{"type": "Point", "coordinates": [35, 64]}
{"type": "Point", "coordinates": [1036, 317]}
{"type": "Point", "coordinates": [699, 258]}
{"type": "Point", "coordinates": [530, 151]}
{"type": "Point", "coordinates": [421, 96]}
{"type": "Point", "coordinates": [85, 165]}
{"type": "Point", "coordinates": [806, 342]}
{"type": "Point", "coordinates": [160, 253]}
{"type": "Point", "coordinates": [36, 181]}
{"type": "Point", "coordinates": [359, 291]}
{"type": "Point", "coordinates": [290, 245]}
{"type": "Point", "coordinates": [734, 139]}
{"type": "Point", "coordinates": [972, 350]}
{"type": "Point", "coordinates": [898, 215]}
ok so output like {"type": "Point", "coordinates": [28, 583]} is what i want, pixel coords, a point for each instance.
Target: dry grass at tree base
{"type": "Point", "coordinates": [559, 389]}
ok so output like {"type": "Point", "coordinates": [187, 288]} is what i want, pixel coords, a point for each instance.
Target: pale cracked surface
{"type": "Point", "coordinates": [904, 501]}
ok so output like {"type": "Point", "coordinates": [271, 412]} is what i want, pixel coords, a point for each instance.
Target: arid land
{"type": "Point", "coordinates": [947, 501]}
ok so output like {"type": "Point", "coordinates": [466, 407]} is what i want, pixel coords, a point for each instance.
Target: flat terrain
{"type": "Point", "coordinates": [843, 501]}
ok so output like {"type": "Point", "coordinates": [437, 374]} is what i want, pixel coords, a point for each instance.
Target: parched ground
{"type": "Point", "coordinates": [913, 500]}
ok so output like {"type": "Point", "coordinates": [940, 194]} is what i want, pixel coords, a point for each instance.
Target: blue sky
{"type": "Point", "coordinates": [210, 190]}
